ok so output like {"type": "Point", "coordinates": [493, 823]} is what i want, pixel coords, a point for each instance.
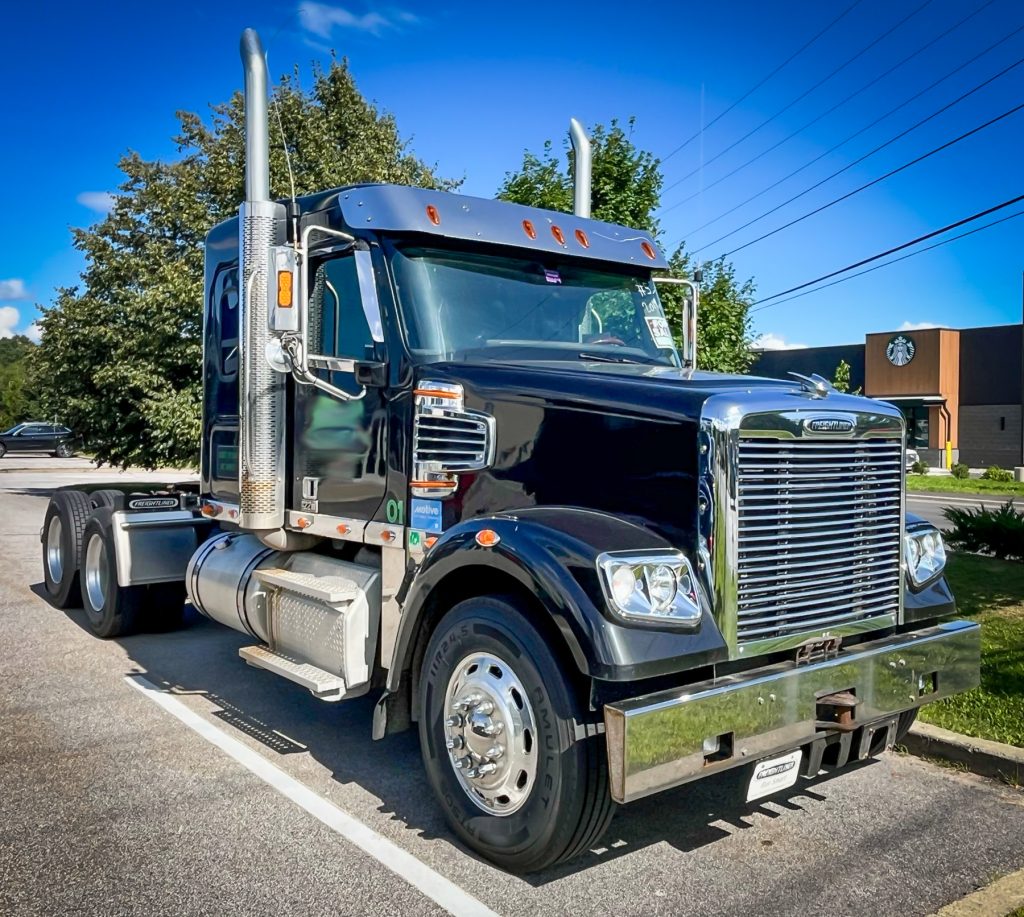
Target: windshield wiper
{"type": "Point", "coordinates": [608, 358]}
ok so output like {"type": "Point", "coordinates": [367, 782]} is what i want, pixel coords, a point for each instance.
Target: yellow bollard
{"type": "Point", "coordinates": [949, 454]}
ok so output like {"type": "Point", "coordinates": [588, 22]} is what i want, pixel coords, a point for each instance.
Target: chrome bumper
{"type": "Point", "coordinates": [658, 741]}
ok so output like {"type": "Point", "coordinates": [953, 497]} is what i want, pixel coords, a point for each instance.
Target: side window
{"type": "Point", "coordinates": [338, 325]}
{"type": "Point", "coordinates": [225, 306]}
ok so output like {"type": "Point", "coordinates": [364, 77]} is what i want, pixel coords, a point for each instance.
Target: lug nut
{"type": "Point", "coordinates": [473, 772]}
{"type": "Point", "coordinates": [484, 769]}
{"type": "Point", "coordinates": [494, 752]}
{"type": "Point", "coordinates": [454, 742]}
{"type": "Point", "coordinates": [462, 763]}
{"type": "Point", "coordinates": [455, 720]}
{"type": "Point", "coordinates": [486, 708]}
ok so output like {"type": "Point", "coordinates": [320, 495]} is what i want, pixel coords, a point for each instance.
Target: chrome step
{"type": "Point", "coordinates": [319, 682]}
{"type": "Point", "coordinates": [331, 589]}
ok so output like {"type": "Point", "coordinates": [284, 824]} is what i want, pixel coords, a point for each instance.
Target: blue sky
{"type": "Point", "coordinates": [472, 85]}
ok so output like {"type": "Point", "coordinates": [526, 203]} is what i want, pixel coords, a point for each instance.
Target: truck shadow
{"type": "Point", "coordinates": [202, 660]}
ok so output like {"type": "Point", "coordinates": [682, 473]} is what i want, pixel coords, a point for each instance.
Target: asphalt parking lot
{"type": "Point", "coordinates": [159, 775]}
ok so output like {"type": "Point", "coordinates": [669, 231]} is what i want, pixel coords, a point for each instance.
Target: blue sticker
{"type": "Point", "coordinates": [426, 515]}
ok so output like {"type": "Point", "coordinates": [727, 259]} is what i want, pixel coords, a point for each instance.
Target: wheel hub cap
{"type": "Point", "coordinates": [490, 733]}
{"type": "Point", "coordinates": [54, 551]}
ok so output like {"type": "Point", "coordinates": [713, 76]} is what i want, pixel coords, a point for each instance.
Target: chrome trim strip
{"type": "Point", "coordinates": [327, 526]}
{"type": "Point", "coordinates": [658, 741]}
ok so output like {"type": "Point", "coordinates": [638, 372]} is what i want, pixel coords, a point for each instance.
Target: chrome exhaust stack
{"type": "Point", "coordinates": [261, 396]}
{"type": "Point", "coordinates": [581, 168]}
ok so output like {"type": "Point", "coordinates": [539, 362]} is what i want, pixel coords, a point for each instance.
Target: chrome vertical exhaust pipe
{"type": "Point", "coordinates": [261, 416]}
{"type": "Point", "coordinates": [581, 168]}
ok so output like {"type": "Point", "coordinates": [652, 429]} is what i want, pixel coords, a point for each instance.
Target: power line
{"type": "Point", "coordinates": [878, 267]}
{"type": "Point", "coordinates": [892, 251]}
{"type": "Point", "coordinates": [764, 80]}
{"type": "Point", "coordinates": [802, 95]}
{"type": "Point", "coordinates": [881, 178]}
{"type": "Point", "coordinates": [829, 111]}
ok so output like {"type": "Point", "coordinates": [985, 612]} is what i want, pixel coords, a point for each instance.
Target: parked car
{"type": "Point", "coordinates": [37, 436]}
{"type": "Point", "coordinates": [912, 459]}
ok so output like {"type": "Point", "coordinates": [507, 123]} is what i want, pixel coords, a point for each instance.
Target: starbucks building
{"type": "Point", "coordinates": [962, 387]}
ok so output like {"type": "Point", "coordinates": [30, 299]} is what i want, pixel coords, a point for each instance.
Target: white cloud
{"type": "Point", "coordinates": [100, 201]}
{"type": "Point", "coordinates": [34, 333]}
{"type": "Point", "coordinates": [322, 18]}
{"type": "Point", "coordinates": [918, 326]}
{"type": "Point", "coordinates": [9, 318]}
{"type": "Point", "coordinates": [771, 341]}
{"type": "Point", "coordinates": [13, 289]}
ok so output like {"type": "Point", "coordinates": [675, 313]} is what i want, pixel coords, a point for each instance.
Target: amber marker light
{"type": "Point", "coordinates": [433, 215]}
{"type": "Point", "coordinates": [529, 230]}
{"type": "Point", "coordinates": [284, 289]}
{"type": "Point", "coordinates": [387, 535]}
{"type": "Point", "coordinates": [649, 250]}
{"type": "Point", "coordinates": [210, 510]}
{"type": "Point", "coordinates": [559, 236]}
{"type": "Point", "coordinates": [487, 538]}
{"type": "Point", "coordinates": [304, 523]}
{"type": "Point", "coordinates": [434, 393]}
{"type": "Point", "coordinates": [430, 540]}
{"type": "Point", "coordinates": [343, 529]}
{"type": "Point", "coordinates": [581, 237]}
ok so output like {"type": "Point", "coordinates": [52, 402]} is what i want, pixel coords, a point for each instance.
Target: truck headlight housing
{"type": "Point", "coordinates": [657, 587]}
{"type": "Point", "coordinates": [925, 555]}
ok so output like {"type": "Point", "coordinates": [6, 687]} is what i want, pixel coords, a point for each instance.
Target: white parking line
{"type": "Point", "coordinates": [435, 886]}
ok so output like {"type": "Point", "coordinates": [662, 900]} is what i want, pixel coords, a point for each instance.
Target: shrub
{"type": "Point", "coordinates": [960, 470]}
{"type": "Point", "coordinates": [919, 467]}
{"type": "Point", "coordinates": [984, 531]}
{"type": "Point", "coordinates": [995, 473]}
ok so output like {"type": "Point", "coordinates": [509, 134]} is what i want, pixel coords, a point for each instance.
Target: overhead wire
{"type": "Point", "coordinates": [802, 95]}
{"type": "Point", "coordinates": [891, 251]}
{"type": "Point", "coordinates": [866, 86]}
{"type": "Point", "coordinates": [878, 267]}
{"type": "Point", "coordinates": [856, 134]}
{"type": "Point", "coordinates": [764, 80]}
{"type": "Point", "coordinates": [861, 159]}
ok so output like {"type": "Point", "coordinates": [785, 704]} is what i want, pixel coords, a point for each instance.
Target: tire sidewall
{"type": "Point", "coordinates": [495, 626]}
{"type": "Point", "coordinates": [61, 593]}
{"type": "Point", "coordinates": [116, 615]}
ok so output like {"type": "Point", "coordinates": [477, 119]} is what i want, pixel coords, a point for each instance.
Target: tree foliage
{"type": "Point", "coordinates": [627, 186]}
{"type": "Point", "coordinates": [841, 380]}
{"type": "Point", "coordinates": [18, 400]}
{"type": "Point", "coordinates": [120, 359]}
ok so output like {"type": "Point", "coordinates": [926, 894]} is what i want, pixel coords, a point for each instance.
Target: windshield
{"type": "Point", "coordinates": [461, 306]}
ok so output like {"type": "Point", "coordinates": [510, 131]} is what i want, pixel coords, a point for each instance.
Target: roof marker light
{"type": "Point", "coordinates": [649, 250]}
{"type": "Point", "coordinates": [433, 215]}
{"type": "Point", "coordinates": [557, 233]}
{"type": "Point", "coordinates": [529, 230]}
{"type": "Point", "coordinates": [581, 237]}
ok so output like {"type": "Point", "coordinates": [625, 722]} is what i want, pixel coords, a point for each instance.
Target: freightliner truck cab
{"type": "Point", "coordinates": [452, 456]}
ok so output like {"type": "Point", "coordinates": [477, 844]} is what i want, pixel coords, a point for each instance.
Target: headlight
{"type": "Point", "coordinates": [659, 588]}
{"type": "Point", "coordinates": [925, 555]}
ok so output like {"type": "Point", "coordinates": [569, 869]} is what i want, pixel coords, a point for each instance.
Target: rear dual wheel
{"type": "Point", "coordinates": [517, 762]}
{"type": "Point", "coordinates": [63, 533]}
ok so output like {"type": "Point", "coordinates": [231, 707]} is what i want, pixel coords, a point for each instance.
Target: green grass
{"type": "Point", "coordinates": [946, 484]}
{"type": "Point", "coordinates": [991, 592]}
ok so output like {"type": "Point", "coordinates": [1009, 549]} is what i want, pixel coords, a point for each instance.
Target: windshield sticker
{"type": "Point", "coordinates": [660, 331]}
{"type": "Point", "coordinates": [426, 515]}
{"type": "Point", "coordinates": [552, 276]}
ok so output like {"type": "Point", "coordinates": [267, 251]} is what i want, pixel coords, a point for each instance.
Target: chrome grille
{"type": "Point", "coordinates": [818, 538]}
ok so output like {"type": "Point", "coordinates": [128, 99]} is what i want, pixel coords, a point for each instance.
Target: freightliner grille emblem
{"type": "Point", "coordinates": [829, 425]}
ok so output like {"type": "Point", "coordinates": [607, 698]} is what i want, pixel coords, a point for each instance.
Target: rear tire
{"type": "Point", "coordinates": [113, 498]}
{"type": "Point", "coordinates": [63, 530]}
{"type": "Point", "coordinates": [110, 609]}
{"type": "Point", "coordinates": [546, 799]}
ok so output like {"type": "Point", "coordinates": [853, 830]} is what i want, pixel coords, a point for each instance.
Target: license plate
{"type": "Point", "coordinates": [774, 774]}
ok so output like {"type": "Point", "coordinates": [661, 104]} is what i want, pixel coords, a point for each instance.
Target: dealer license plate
{"type": "Point", "coordinates": [774, 774]}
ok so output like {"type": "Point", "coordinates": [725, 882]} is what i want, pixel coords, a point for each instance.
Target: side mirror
{"type": "Point", "coordinates": [371, 374]}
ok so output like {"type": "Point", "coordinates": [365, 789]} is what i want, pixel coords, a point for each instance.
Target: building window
{"type": "Point", "coordinates": [917, 427]}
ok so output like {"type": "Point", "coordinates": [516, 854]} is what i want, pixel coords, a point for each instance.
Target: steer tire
{"type": "Point", "coordinates": [63, 529]}
{"type": "Point", "coordinates": [566, 807]}
{"type": "Point", "coordinates": [114, 498]}
{"type": "Point", "coordinates": [111, 610]}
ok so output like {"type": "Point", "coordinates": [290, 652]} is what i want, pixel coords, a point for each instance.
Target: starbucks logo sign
{"type": "Point", "coordinates": [900, 350]}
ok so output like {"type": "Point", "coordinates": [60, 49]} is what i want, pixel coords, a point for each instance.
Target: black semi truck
{"type": "Point", "coordinates": [452, 456]}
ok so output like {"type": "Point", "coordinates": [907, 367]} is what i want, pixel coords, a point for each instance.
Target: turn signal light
{"type": "Point", "coordinates": [284, 289]}
{"type": "Point", "coordinates": [487, 538]}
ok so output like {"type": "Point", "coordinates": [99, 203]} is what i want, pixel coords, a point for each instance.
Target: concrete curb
{"type": "Point", "coordinates": [1001, 897]}
{"type": "Point", "coordinates": [989, 759]}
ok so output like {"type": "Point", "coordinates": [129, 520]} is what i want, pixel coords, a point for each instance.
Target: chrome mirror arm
{"type": "Point", "coordinates": [689, 317]}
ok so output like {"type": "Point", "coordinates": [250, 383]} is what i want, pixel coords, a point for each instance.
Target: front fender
{"type": "Point", "coordinates": [552, 552]}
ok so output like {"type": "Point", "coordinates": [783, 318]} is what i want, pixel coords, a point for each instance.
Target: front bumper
{"type": "Point", "coordinates": [660, 740]}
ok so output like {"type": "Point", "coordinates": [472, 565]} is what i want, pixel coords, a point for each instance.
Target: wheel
{"type": "Point", "coordinates": [113, 498]}
{"type": "Point", "coordinates": [63, 528]}
{"type": "Point", "coordinates": [3, 450]}
{"type": "Point", "coordinates": [111, 610]}
{"type": "Point", "coordinates": [907, 719]}
{"type": "Point", "coordinates": [64, 450]}
{"type": "Point", "coordinates": [516, 761]}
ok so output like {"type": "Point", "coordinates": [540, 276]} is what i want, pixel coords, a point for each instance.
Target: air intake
{"type": "Point", "coordinates": [448, 440]}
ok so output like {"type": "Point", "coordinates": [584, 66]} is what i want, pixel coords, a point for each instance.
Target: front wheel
{"type": "Point", "coordinates": [516, 760]}
{"type": "Point", "coordinates": [64, 450]}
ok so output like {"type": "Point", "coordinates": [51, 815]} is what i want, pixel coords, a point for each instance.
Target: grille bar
{"type": "Point", "coordinates": [818, 534]}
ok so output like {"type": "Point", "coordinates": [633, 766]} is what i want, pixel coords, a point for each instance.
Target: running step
{"type": "Point", "coordinates": [332, 590]}
{"type": "Point", "coordinates": [319, 682]}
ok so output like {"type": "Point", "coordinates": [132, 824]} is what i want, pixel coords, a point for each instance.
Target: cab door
{"type": "Point", "coordinates": [340, 446]}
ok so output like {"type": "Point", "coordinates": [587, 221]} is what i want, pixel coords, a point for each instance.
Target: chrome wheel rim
{"type": "Point", "coordinates": [490, 733]}
{"type": "Point", "coordinates": [96, 573]}
{"type": "Point", "coordinates": [54, 550]}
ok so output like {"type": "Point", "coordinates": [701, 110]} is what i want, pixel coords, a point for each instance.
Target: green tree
{"type": "Point", "coordinates": [627, 186]}
{"type": "Point", "coordinates": [120, 358]}
{"type": "Point", "coordinates": [17, 398]}
{"type": "Point", "coordinates": [841, 379]}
